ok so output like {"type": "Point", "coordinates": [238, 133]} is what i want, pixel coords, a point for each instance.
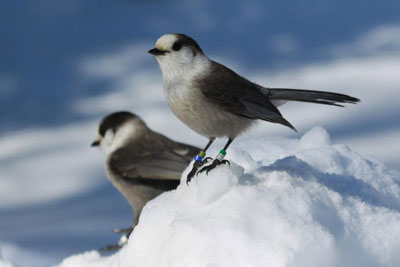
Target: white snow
{"type": "Point", "coordinates": [283, 202]}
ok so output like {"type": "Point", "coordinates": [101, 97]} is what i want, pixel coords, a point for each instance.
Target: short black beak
{"type": "Point", "coordinates": [156, 52]}
{"type": "Point", "coordinates": [95, 143]}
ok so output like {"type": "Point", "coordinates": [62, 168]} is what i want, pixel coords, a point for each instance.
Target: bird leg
{"type": "Point", "coordinates": [218, 160]}
{"type": "Point", "coordinates": [111, 248]}
{"type": "Point", "coordinates": [123, 230]}
{"type": "Point", "coordinates": [199, 160]}
{"type": "Point", "coordinates": [122, 241]}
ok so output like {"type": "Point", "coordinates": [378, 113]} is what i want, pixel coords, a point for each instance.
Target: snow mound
{"type": "Point", "coordinates": [283, 202]}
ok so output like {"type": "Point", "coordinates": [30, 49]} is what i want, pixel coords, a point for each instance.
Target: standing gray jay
{"type": "Point", "coordinates": [214, 101]}
{"type": "Point", "coordinates": [140, 163]}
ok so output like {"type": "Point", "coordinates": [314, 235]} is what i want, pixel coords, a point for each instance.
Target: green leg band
{"type": "Point", "coordinates": [221, 155]}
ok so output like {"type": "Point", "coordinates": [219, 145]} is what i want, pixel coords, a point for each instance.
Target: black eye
{"type": "Point", "coordinates": [177, 46]}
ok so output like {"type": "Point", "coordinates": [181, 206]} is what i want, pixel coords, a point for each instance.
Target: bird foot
{"type": "Point", "coordinates": [195, 168]}
{"type": "Point", "coordinates": [214, 164]}
{"type": "Point", "coordinates": [122, 241]}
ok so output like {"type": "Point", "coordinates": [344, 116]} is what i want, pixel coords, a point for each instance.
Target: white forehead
{"type": "Point", "coordinates": [166, 41]}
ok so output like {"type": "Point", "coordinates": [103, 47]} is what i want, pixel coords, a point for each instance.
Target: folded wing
{"type": "Point", "coordinates": [242, 97]}
{"type": "Point", "coordinates": [166, 160]}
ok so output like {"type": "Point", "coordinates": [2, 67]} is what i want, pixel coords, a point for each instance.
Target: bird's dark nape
{"type": "Point", "coordinates": [310, 96]}
{"type": "Point", "coordinates": [188, 41]}
{"type": "Point", "coordinates": [114, 120]}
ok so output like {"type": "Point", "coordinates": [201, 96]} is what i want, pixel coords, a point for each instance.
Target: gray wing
{"type": "Point", "coordinates": [238, 95]}
{"type": "Point", "coordinates": [154, 159]}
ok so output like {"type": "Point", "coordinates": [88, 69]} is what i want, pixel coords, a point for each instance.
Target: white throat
{"type": "Point", "coordinates": [175, 73]}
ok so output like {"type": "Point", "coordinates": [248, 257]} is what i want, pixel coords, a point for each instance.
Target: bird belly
{"type": "Point", "coordinates": [203, 116]}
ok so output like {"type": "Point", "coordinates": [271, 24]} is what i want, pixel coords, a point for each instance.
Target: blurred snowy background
{"type": "Point", "coordinates": [66, 64]}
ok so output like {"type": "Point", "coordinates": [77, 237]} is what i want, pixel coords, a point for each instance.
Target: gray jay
{"type": "Point", "coordinates": [140, 163]}
{"type": "Point", "coordinates": [214, 101]}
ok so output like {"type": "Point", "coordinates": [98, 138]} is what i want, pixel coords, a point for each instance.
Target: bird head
{"type": "Point", "coordinates": [175, 51]}
{"type": "Point", "coordinates": [116, 129]}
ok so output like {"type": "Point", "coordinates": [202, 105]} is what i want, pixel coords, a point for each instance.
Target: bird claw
{"type": "Point", "coordinates": [196, 166]}
{"type": "Point", "coordinates": [123, 240]}
{"type": "Point", "coordinates": [206, 160]}
{"type": "Point", "coordinates": [214, 164]}
{"type": "Point", "coordinates": [226, 162]}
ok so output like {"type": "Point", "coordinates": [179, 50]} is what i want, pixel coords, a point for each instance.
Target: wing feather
{"type": "Point", "coordinates": [163, 160]}
{"type": "Point", "coordinates": [238, 95]}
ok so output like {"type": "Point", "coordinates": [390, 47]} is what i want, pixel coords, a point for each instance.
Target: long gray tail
{"type": "Point", "coordinates": [319, 97]}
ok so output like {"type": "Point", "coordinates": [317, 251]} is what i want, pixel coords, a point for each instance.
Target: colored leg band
{"type": "Point", "coordinates": [221, 155]}
{"type": "Point", "coordinates": [200, 156]}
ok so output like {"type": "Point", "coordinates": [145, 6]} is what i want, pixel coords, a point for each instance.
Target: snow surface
{"type": "Point", "coordinates": [283, 202]}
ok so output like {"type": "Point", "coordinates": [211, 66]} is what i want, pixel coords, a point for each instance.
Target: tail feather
{"type": "Point", "coordinates": [319, 97]}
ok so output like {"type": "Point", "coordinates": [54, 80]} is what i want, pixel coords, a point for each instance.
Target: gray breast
{"type": "Point", "coordinates": [204, 117]}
